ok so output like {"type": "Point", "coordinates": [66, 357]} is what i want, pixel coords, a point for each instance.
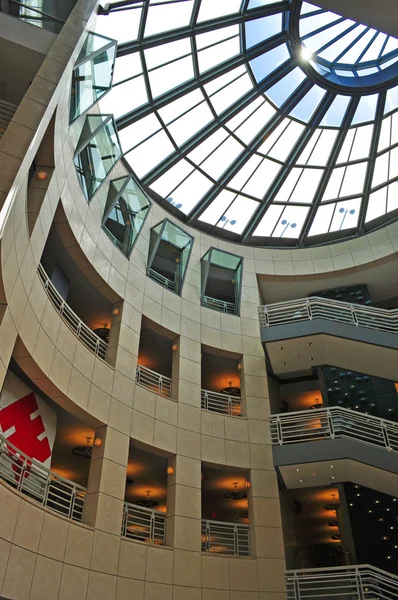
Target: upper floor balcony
{"type": "Point", "coordinates": [312, 330]}
{"type": "Point", "coordinates": [355, 582]}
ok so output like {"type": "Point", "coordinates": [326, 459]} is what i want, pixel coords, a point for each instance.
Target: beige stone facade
{"type": "Point", "coordinates": [46, 556]}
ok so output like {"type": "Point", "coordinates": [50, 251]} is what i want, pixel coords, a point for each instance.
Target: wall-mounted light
{"type": "Point", "coordinates": [240, 366]}
{"type": "Point", "coordinates": [97, 442]}
{"type": "Point", "coordinates": [248, 484]}
{"type": "Point", "coordinates": [41, 176]}
{"type": "Point", "coordinates": [170, 470]}
{"type": "Point", "coordinates": [116, 311]}
{"type": "Point", "coordinates": [174, 347]}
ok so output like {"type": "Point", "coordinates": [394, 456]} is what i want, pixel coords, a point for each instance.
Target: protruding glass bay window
{"type": "Point", "coordinates": [125, 212]}
{"type": "Point", "coordinates": [93, 72]}
{"type": "Point", "coordinates": [169, 251]}
{"type": "Point", "coordinates": [221, 281]}
{"type": "Point", "coordinates": [97, 151]}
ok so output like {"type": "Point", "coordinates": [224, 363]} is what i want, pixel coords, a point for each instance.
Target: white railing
{"type": "Point", "coordinates": [221, 403]}
{"type": "Point", "coordinates": [160, 384]}
{"type": "Point", "coordinates": [330, 423]}
{"type": "Point", "coordinates": [7, 111]}
{"type": "Point", "coordinates": [221, 305]}
{"type": "Point", "coordinates": [36, 481]}
{"type": "Point", "coordinates": [314, 307]}
{"type": "Point", "coordinates": [357, 582]}
{"type": "Point", "coordinates": [143, 524]}
{"type": "Point", "coordinates": [225, 538]}
{"type": "Point", "coordinates": [167, 283]}
{"type": "Point", "coordinates": [80, 329]}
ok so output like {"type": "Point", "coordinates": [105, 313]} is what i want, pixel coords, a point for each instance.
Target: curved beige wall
{"type": "Point", "coordinates": [45, 556]}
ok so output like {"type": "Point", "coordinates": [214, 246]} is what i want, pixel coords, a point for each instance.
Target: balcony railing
{"type": "Point", "coordinates": [80, 329]}
{"type": "Point", "coordinates": [305, 309]}
{"type": "Point", "coordinates": [33, 479]}
{"type": "Point", "coordinates": [167, 283]}
{"type": "Point", "coordinates": [221, 305]}
{"type": "Point", "coordinates": [330, 423]}
{"type": "Point", "coordinates": [225, 538]}
{"type": "Point", "coordinates": [144, 524]}
{"type": "Point", "coordinates": [221, 403]}
{"type": "Point", "coordinates": [7, 111]}
{"type": "Point", "coordinates": [157, 383]}
{"type": "Point", "coordinates": [28, 12]}
{"type": "Point", "coordinates": [359, 582]}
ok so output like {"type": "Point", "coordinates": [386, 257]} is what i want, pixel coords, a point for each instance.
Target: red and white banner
{"type": "Point", "coordinates": [27, 421]}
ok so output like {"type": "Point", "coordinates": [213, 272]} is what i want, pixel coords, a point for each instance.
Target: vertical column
{"type": "Point", "coordinates": [184, 485]}
{"type": "Point", "coordinates": [264, 507]}
{"type": "Point", "coordinates": [107, 481]}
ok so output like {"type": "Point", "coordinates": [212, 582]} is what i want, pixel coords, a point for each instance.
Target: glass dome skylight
{"type": "Point", "coordinates": [231, 126]}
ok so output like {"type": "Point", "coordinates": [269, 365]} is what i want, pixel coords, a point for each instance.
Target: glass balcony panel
{"type": "Point", "coordinates": [125, 213]}
{"type": "Point", "coordinates": [99, 151]}
{"type": "Point", "coordinates": [92, 78]}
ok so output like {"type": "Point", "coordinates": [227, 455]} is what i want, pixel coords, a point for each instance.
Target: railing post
{"type": "Point", "coordinates": [309, 311]}
{"type": "Point", "coordinates": [160, 385]}
{"type": "Point", "coordinates": [230, 406]}
{"type": "Point", "coordinates": [329, 417]}
{"type": "Point", "coordinates": [296, 585]}
{"type": "Point", "coordinates": [360, 590]}
{"type": "Point", "coordinates": [72, 503]}
{"type": "Point", "coordinates": [206, 397]}
{"type": "Point", "coordinates": [279, 430]}
{"type": "Point", "coordinates": [385, 435]}
{"type": "Point", "coordinates": [354, 315]}
{"type": "Point", "coordinates": [236, 542]}
{"type": "Point", "coordinates": [152, 529]}
{"type": "Point", "coordinates": [208, 536]}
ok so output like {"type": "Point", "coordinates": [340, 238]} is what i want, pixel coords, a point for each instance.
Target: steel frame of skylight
{"type": "Point", "coordinates": [290, 10]}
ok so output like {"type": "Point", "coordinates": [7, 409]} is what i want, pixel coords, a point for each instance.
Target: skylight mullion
{"type": "Point", "coordinates": [371, 162]}
{"type": "Point", "coordinates": [194, 14]}
{"type": "Point", "coordinates": [203, 27]}
{"type": "Point", "coordinates": [145, 74]}
{"type": "Point", "coordinates": [329, 168]}
{"type": "Point", "coordinates": [383, 47]}
{"type": "Point", "coordinates": [353, 43]}
{"type": "Point", "coordinates": [337, 37]}
{"type": "Point", "coordinates": [141, 29]}
{"type": "Point", "coordinates": [255, 144]}
{"type": "Point", "coordinates": [323, 28]}
{"type": "Point", "coordinates": [364, 51]}
{"type": "Point", "coordinates": [203, 78]}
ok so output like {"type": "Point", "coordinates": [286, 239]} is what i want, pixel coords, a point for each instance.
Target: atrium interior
{"type": "Point", "coordinates": [198, 300]}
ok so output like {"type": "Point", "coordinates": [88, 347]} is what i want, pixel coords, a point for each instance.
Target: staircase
{"type": "Point", "coordinates": [7, 111]}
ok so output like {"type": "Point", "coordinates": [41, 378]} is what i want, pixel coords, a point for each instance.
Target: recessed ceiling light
{"type": "Point", "coordinates": [333, 477]}
{"type": "Point", "coordinates": [284, 362]}
{"type": "Point", "coordinates": [309, 344]}
{"type": "Point", "coordinates": [296, 354]}
{"type": "Point", "coordinates": [311, 359]}
{"type": "Point", "coordinates": [301, 480]}
{"type": "Point", "coordinates": [331, 466]}
{"type": "Point", "coordinates": [297, 470]}
{"type": "Point", "coordinates": [281, 348]}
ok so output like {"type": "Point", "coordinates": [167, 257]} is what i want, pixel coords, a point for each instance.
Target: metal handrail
{"type": "Point", "coordinates": [333, 422]}
{"type": "Point", "coordinates": [143, 524]}
{"type": "Point", "coordinates": [151, 380]}
{"type": "Point", "coordinates": [314, 307]}
{"type": "Point", "coordinates": [225, 538]}
{"type": "Point", "coordinates": [221, 403]}
{"type": "Point", "coordinates": [221, 305]}
{"type": "Point", "coordinates": [39, 483]}
{"type": "Point", "coordinates": [164, 281]}
{"type": "Point", "coordinates": [355, 582]}
{"type": "Point", "coordinates": [75, 324]}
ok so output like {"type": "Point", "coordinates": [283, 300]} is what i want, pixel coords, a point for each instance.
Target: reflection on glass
{"type": "Point", "coordinates": [221, 279]}
{"type": "Point", "coordinates": [97, 151]}
{"type": "Point", "coordinates": [169, 251]}
{"type": "Point", "coordinates": [125, 213]}
{"type": "Point", "coordinates": [92, 75]}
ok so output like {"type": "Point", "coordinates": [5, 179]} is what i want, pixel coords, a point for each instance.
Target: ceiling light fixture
{"type": "Point", "coordinates": [41, 176]}
{"type": "Point", "coordinates": [148, 502]}
{"type": "Point", "coordinates": [170, 470]}
{"type": "Point", "coordinates": [97, 442]}
{"type": "Point", "coordinates": [235, 495]}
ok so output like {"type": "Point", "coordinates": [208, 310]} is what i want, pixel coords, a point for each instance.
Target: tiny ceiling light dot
{"type": "Point", "coordinates": [174, 347]}
{"type": "Point", "coordinates": [170, 470]}
{"type": "Point", "coordinates": [284, 362]}
{"type": "Point", "coordinates": [41, 175]}
{"type": "Point", "coordinates": [240, 366]}
{"type": "Point", "coordinates": [301, 480]}
{"type": "Point", "coordinates": [305, 53]}
{"type": "Point", "coordinates": [97, 442]}
{"type": "Point", "coordinates": [116, 312]}
{"type": "Point", "coordinates": [281, 348]}
{"type": "Point", "coordinates": [331, 466]}
{"type": "Point", "coordinates": [309, 344]}
{"type": "Point", "coordinates": [297, 470]}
